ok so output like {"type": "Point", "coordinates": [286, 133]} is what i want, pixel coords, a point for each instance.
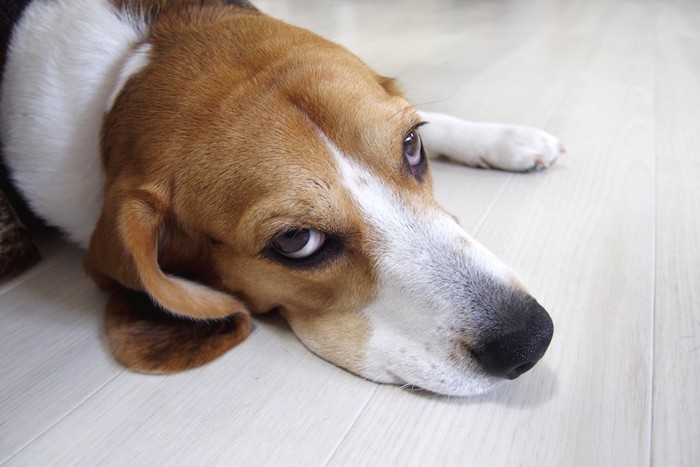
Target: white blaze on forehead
{"type": "Point", "coordinates": [412, 237]}
{"type": "Point", "coordinates": [424, 263]}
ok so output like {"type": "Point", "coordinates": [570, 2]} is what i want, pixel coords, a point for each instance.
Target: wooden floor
{"type": "Point", "coordinates": [607, 240]}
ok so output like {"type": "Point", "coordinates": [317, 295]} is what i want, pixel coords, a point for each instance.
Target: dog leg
{"type": "Point", "coordinates": [489, 145]}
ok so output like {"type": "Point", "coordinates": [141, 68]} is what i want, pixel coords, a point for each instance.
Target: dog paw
{"type": "Point", "coordinates": [522, 149]}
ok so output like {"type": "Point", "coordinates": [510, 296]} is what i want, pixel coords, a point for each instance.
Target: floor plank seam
{"type": "Point", "coordinates": [350, 427]}
{"type": "Point", "coordinates": [60, 419]}
{"type": "Point", "coordinates": [492, 205]}
{"type": "Point", "coordinates": [652, 355]}
{"type": "Point", "coordinates": [572, 83]}
{"type": "Point", "coordinates": [43, 266]}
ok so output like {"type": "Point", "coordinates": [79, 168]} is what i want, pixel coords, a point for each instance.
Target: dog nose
{"type": "Point", "coordinates": [520, 342]}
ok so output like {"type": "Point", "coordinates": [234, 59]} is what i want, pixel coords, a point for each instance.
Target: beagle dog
{"type": "Point", "coordinates": [215, 162]}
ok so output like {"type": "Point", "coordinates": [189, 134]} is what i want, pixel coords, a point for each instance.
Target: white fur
{"type": "Point", "coordinates": [424, 260]}
{"type": "Point", "coordinates": [489, 145]}
{"type": "Point", "coordinates": [62, 69]}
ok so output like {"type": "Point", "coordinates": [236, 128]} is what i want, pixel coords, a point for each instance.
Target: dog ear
{"type": "Point", "coordinates": [137, 220]}
{"type": "Point", "coordinates": [144, 338]}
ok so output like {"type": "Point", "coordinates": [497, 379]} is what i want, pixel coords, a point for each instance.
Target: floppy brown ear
{"type": "Point", "coordinates": [144, 338]}
{"type": "Point", "coordinates": [124, 249]}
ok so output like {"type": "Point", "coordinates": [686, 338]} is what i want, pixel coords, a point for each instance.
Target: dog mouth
{"type": "Point", "coordinates": [505, 350]}
{"type": "Point", "coordinates": [451, 383]}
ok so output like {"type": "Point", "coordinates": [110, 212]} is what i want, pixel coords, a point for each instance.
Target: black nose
{"type": "Point", "coordinates": [519, 342]}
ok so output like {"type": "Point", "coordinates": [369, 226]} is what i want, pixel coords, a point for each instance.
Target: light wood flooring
{"type": "Point", "coordinates": [608, 240]}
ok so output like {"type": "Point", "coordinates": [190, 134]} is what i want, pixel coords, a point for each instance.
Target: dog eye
{"type": "Point", "coordinates": [413, 148]}
{"type": "Point", "coordinates": [299, 244]}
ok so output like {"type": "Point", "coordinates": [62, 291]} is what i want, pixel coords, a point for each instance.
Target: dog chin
{"type": "Point", "coordinates": [442, 383]}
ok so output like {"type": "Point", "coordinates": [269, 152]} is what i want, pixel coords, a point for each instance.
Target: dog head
{"type": "Point", "coordinates": [252, 166]}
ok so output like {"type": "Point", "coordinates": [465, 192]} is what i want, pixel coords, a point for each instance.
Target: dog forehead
{"type": "Point", "coordinates": [288, 150]}
{"type": "Point", "coordinates": [319, 185]}
{"type": "Point", "coordinates": [353, 111]}
{"type": "Point", "coordinates": [290, 182]}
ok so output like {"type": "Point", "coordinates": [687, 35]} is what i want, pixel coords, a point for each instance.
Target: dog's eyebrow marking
{"type": "Point", "coordinates": [396, 221]}
{"type": "Point", "coordinates": [408, 108]}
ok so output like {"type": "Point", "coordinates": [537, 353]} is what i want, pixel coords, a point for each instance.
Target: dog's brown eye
{"type": "Point", "coordinates": [299, 244]}
{"type": "Point", "coordinates": [412, 148]}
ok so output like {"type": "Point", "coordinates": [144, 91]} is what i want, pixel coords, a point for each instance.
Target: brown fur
{"type": "Point", "coordinates": [212, 151]}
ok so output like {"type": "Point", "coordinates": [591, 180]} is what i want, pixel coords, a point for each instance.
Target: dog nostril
{"type": "Point", "coordinates": [519, 345]}
{"type": "Point", "coordinates": [519, 370]}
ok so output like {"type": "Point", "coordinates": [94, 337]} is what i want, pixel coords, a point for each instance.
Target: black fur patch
{"type": "Point", "coordinates": [10, 13]}
{"type": "Point", "coordinates": [241, 4]}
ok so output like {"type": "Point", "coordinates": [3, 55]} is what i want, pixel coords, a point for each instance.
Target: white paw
{"type": "Point", "coordinates": [521, 149]}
